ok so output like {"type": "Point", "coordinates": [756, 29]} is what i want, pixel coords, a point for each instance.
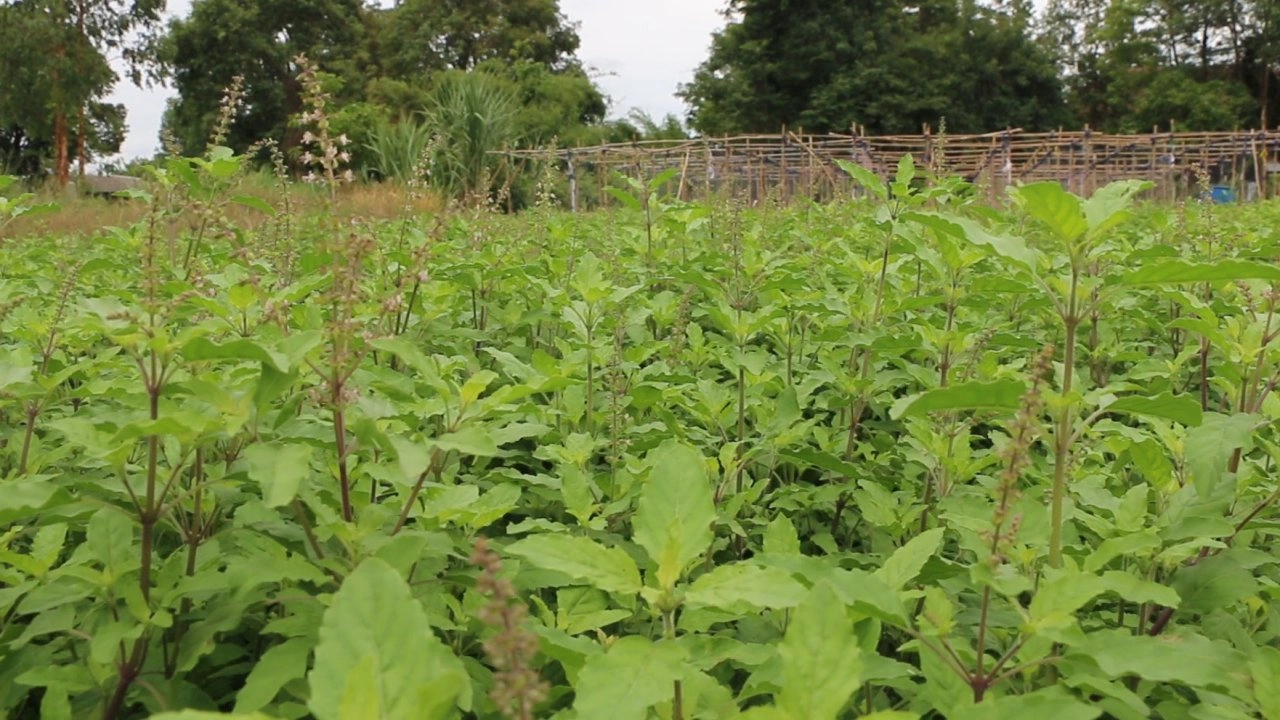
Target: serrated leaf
{"type": "Point", "coordinates": [1191, 660]}
{"type": "Point", "coordinates": [1060, 594]}
{"type": "Point", "coordinates": [864, 177]}
{"type": "Point", "coordinates": [1139, 590]}
{"type": "Point", "coordinates": [676, 510]}
{"type": "Point", "coordinates": [279, 469]}
{"type": "Point", "coordinates": [975, 395]}
{"type": "Point", "coordinates": [741, 583]}
{"type": "Point", "coordinates": [1060, 211]}
{"type": "Point", "coordinates": [582, 559]}
{"type": "Point", "coordinates": [1182, 409]}
{"type": "Point", "coordinates": [1214, 583]}
{"type": "Point", "coordinates": [374, 618]}
{"type": "Point", "coordinates": [1208, 448]}
{"type": "Point", "coordinates": [470, 440]}
{"type": "Point", "coordinates": [1171, 272]}
{"type": "Point", "coordinates": [1109, 205]}
{"type": "Point", "coordinates": [1006, 246]}
{"type": "Point", "coordinates": [907, 561]}
{"type": "Point", "coordinates": [821, 659]}
{"type": "Point", "coordinates": [279, 665]}
{"type": "Point", "coordinates": [1113, 548]}
{"type": "Point", "coordinates": [1051, 703]}
{"type": "Point", "coordinates": [109, 537]}
{"type": "Point", "coordinates": [633, 676]}
{"type": "Point", "coordinates": [24, 498]}
{"type": "Point", "coordinates": [820, 459]}
{"type": "Point", "coordinates": [780, 537]}
{"type": "Point", "coordinates": [201, 348]}
{"type": "Point", "coordinates": [1265, 669]}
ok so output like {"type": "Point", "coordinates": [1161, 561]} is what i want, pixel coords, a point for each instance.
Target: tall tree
{"type": "Point", "coordinates": [56, 74]}
{"type": "Point", "coordinates": [424, 36]}
{"type": "Point", "coordinates": [257, 39]}
{"type": "Point", "coordinates": [890, 65]}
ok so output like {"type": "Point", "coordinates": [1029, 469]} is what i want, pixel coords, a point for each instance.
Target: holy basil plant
{"type": "Point", "coordinates": [909, 456]}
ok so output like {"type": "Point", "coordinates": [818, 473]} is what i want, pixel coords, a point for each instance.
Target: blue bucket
{"type": "Point", "coordinates": [1222, 194]}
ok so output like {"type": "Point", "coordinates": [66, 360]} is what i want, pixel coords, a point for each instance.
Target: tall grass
{"type": "Point", "coordinates": [400, 148]}
{"type": "Point", "coordinates": [474, 114]}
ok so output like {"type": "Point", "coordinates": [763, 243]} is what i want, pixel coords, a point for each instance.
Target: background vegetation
{"type": "Point", "coordinates": [394, 73]}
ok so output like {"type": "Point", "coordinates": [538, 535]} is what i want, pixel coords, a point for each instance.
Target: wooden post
{"type": "Point", "coordinates": [1087, 182]}
{"type": "Point", "coordinates": [784, 180]}
{"type": "Point", "coordinates": [573, 181]}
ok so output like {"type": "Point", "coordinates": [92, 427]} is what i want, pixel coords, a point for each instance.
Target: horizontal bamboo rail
{"type": "Point", "coordinates": [790, 165]}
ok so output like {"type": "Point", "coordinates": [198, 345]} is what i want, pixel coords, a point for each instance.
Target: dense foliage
{"type": "Point", "coordinates": [892, 66]}
{"type": "Point", "coordinates": [904, 458]}
{"type": "Point", "coordinates": [55, 72]}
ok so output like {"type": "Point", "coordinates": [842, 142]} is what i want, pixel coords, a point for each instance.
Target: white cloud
{"type": "Point", "coordinates": [643, 50]}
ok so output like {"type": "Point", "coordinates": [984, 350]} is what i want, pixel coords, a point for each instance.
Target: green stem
{"type": "Point", "coordinates": [1062, 437]}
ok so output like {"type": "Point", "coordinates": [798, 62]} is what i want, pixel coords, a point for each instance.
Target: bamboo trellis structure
{"type": "Point", "coordinates": [792, 165]}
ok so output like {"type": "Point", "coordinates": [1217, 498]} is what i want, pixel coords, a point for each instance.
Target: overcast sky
{"type": "Point", "coordinates": [641, 52]}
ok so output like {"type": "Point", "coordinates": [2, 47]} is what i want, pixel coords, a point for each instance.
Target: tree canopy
{"type": "Point", "coordinates": [894, 65]}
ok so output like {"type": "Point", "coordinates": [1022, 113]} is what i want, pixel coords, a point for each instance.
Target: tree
{"type": "Point", "coordinates": [886, 64]}
{"type": "Point", "coordinates": [426, 36]}
{"type": "Point", "coordinates": [258, 39]}
{"type": "Point", "coordinates": [1133, 64]}
{"type": "Point", "coordinates": [56, 74]}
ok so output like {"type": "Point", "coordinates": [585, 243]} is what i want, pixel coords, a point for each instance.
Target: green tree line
{"type": "Point", "coordinates": [434, 84]}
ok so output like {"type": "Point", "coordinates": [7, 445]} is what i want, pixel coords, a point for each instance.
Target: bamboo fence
{"type": "Point", "coordinates": [792, 165]}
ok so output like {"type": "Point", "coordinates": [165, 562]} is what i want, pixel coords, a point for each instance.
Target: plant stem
{"type": "Point", "coordinates": [1062, 437]}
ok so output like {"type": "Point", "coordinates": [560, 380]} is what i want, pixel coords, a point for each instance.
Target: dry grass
{"type": "Point", "coordinates": [79, 216]}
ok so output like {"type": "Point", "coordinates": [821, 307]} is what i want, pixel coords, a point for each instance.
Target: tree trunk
{"type": "Point", "coordinates": [80, 150]}
{"type": "Point", "coordinates": [84, 42]}
{"type": "Point", "coordinates": [62, 158]}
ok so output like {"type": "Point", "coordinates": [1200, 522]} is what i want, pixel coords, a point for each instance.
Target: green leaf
{"type": "Point", "coordinates": [201, 348]}
{"type": "Point", "coordinates": [676, 510]}
{"type": "Point", "coordinates": [1169, 272]}
{"type": "Point", "coordinates": [1139, 590]}
{"type": "Point", "coordinates": [1191, 660]}
{"type": "Point", "coordinates": [1208, 448]}
{"type": "Point", "coordinates": [821, 660]}
{"type": "Point", "coordinates": [1109, 205]}
{"type": "Point", "coordinates": [109, 538]}
{"type": "Point", "coordinates": [1060, 594]}
{"type": "Point", "coordinates": [205, 715]}
{"type": "Point", "coordinates": [1112, 548]}
{"type": "Point", "coordinates": [1058, 209]}
{"type": "Point", "coordinates": [633, 676]}
{"type": "Point", "coordinates": [1182, 409]}
{"type": "Point", "coordinates": [1051, 703]}
{"type": "Point", "coordinates": [360, 698]}
{"type": "Point", "coordinates": [907, 561]}
{"type": "Point", "coordinates": [278, 666]}
{"type": "Point", "coordinates": [864, 177]}
{"type": "Point", "coordinates": [780, 537]}
{"type": "Point", "coordinates": [279, 469]}
{"type": "Point", "coordinates": [975, 395]}
{"type": "Point", "coordinates": [825, 460]}
{"type": "Point", "coordinates": [1214, 583]}
{"type": "Point", "coordinates": [256, 203]}
{"type": "Point", "coordinates": [470, 440]}
{"type": "Point", "coordinates": [24, 498]}
{"type": "Point", "coordinates": [1006, 246]}
{"type": "Point", "coordinates": [375, 621]}
{"type": "Point", "coordinates": [737, 584]}
{"type": "Point", "coordinates": [582, 559]}
{"type": "Point", "coordinates": [1265, 669]}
